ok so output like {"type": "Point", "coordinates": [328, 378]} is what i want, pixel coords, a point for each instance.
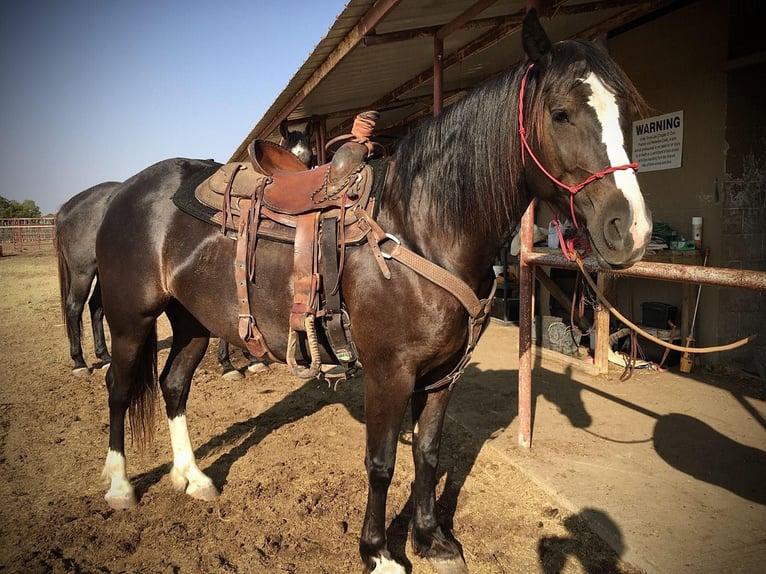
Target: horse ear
{"type": "Point", "coordinates": [536, 43]}
{"type": "Point", "coordinates": [283, 128]}
{"type": "Point", "coordinates": [601, 43]}
{"type": "Point", "coordinates": [309, 129]}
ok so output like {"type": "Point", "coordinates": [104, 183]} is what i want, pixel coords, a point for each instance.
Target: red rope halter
{"type": "Point", "coordinates": [572, 189]}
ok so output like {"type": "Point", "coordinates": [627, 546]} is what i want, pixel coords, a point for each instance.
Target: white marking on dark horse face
{"type": "Point", "coordinates": [301, 151]}
{"type": "Point", "coordinates": [603, 101]}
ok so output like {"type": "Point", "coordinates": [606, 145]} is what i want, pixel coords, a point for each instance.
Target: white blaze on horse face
{"type": "Point", "coordinates": [603, 101]}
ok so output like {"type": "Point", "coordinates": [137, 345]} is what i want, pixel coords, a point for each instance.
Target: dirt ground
{"type": "Point", "coordinates": [286, 454]}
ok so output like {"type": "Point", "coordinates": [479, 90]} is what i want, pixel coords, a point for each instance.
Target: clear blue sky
{"type": "Point", "coordinates": [98, 90]}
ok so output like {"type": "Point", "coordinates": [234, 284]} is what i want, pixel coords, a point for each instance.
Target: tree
{"type": "Point", "coordinates": [12, 208]}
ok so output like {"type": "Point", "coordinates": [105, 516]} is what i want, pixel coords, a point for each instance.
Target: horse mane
{"type": "Point", "coordinates": [463, 161]}
{"type": "Point", "coordinates": [466, 163]}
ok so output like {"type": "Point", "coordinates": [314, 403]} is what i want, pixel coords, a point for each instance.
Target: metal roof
{"type": "Point", "coordinates": [379, 54]}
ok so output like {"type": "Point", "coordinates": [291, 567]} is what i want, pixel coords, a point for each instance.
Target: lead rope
{"type": "Point", "coordinates": [650, 337]}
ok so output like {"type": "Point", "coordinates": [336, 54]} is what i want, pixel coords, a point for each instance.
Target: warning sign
{"type": "Point", "coordinates": [658, 142]}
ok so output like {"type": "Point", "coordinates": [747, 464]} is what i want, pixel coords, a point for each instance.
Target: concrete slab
{"type": "Point", "coordinates": [669, 468]}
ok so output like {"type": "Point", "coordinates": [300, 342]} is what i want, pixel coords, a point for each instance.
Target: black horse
{"type": "Point", "coordinates": [456, 187]}
{"type": "Point", "coordinates": [77, 222]}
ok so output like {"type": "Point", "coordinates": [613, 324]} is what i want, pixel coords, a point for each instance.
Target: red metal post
{"type": "Point", "coordinates": [321, 137]}
{"type": "Point", "coordinates": [526, 309]}
{"type": "Point", "coordinates": [438, 75]}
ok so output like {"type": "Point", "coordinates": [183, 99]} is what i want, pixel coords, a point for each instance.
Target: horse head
{"type": "Point", "coordinates": [574, 142]}
{"type": "Point", "coordinates": [298, 142]}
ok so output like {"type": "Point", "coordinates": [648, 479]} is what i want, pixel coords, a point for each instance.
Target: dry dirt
{"type": "Point", "coordinates": [286, 454]}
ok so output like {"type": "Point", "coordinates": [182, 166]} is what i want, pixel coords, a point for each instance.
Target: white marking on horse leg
{"type": "Point", "coordinates": [120, 494]}
{"type": "Point", "coordinates": [603, 101]}
{"type": "Point", "coordinates": [386, 565]}
{"type": "Point", "coordinates": [185, 474]}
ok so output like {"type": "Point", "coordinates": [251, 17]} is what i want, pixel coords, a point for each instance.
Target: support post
{"type": "Point", "coordinates": [438, 75]}
{"type": "Point", "coordinates": [601, 348]}
{"type": "Point", "coordinates": [321, 137]}
{"type": "Point", "coordinates": [526, 309]}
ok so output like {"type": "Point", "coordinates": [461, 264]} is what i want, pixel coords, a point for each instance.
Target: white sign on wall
{"type": "Point", "coordinates": [658, 142]}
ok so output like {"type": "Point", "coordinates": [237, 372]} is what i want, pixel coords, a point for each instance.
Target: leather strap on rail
{"type": "Point", "coordinates": [697, 350]}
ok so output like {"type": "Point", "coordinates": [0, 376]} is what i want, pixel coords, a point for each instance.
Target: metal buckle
{"type": "Point", "coordinates": [395, 240]}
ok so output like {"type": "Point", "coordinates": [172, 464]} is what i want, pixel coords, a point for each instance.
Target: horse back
{"type": "Point", "coordinates": [150, 252]}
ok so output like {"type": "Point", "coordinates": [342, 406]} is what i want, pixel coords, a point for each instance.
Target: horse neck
{"type": "Point", "coordinates": [459, 207]}
{"type": "Point", "coordinates": [460, 178]}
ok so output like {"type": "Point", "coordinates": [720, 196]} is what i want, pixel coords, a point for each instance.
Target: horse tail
{"type": "Point", "coordinates": [143, 392]}
{"type": "Point", "coordinates": [65, 282]}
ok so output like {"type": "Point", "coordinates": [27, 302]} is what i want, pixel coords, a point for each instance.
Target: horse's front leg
{"type": "Point", "coordinates": [384, 405]}
{"type": "Point", "coordinates": [190, 341]}
{"type": "Point", "coordinates": [428, 539]}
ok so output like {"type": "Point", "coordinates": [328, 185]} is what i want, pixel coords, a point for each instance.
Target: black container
{"type": "Point", "coordinates": [658, 315]}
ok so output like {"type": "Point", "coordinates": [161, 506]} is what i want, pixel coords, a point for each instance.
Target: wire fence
{"type": "Point", "coordinates": [25, 234]}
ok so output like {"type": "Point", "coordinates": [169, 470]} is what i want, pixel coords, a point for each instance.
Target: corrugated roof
{"type": "Point", "coordinates": [347, 73]}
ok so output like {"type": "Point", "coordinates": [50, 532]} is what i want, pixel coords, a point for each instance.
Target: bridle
{"type": "Point", "coordinates": [572, 189]}
{"type": "Point", "coordinates": [568, 247]}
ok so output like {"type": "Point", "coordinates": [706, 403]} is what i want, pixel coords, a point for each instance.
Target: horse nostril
{"type": "Point", "coordinates": [614, 234]}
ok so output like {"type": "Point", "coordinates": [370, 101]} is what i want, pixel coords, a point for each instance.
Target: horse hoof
{"type": "Point", "coordinates": [121, 502]}
{"type": "Point", "coordinates": [451, 566]}
{"type": "Point", "coordinates": [386, 565]}
{"type": "Point", "coordinates": [81, 372]}
{"type": "Point", "coordinates": [233, 376]}
{"type": "Point", "coordinates": [206, 493]}
{"type": "Point", "coordinates": [257, 368]}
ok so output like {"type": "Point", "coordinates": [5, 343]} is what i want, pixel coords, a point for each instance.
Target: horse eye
{"type": "Point", "coordinates": [560, 116]}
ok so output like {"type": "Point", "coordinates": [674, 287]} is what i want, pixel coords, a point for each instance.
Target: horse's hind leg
{"type": "Point", "coordinates": [131, 381]}
{"type": "Point", "coordinates": [74, 304]}
{"type": "Point", "coordinates": [190, 341]}
{"type": "Point", "coordinates": [254, 365]}
{"type": "Point", "coordinates": [97, 323]}
{"type": "Point", "coordinates": [428, 539]}
{"type": "Point", "coordinates": [229, 372]}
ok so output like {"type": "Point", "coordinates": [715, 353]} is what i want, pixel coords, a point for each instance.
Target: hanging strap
{"type": "Point", "coordinates": [248, 331]}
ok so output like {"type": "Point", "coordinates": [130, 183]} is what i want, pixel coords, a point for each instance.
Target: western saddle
{"type": "Point", "coordinates": [320, 212]}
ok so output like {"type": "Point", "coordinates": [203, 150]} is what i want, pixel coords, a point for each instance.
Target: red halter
{"type": "Point", "coordinates": [572, 189]}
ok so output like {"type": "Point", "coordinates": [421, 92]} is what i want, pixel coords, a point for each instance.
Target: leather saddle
{"type": "Point", "coordinates": [320, 211]}
{"type": "Point", "coordinates": [289, 189]}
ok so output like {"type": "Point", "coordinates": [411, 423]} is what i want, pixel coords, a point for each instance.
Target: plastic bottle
{"type": "Point", "coordinates": [553, 235]}
{"type": "Point", "coordinates": [697, 232]}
